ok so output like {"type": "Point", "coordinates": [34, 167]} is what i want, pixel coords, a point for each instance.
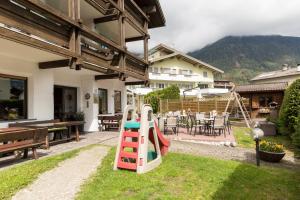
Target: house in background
{"type": "Point", "coordinates": [169, 66]}
{"type": "Point", "coordinates": [287, 74]}
{"type": "Point", "coordinates": [61, 57]}
{"type": "Point", "coordinates": [266, 91]}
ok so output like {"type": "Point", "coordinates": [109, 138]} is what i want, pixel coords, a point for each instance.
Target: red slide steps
{"type": "Point", "coordinates": [129, 156]}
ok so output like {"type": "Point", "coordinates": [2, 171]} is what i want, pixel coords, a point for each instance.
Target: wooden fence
{"type": "Point", "coordinates": [198, 105]}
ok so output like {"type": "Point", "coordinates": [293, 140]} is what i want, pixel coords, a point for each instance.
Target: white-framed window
{"type": "Point", "coordinates": [165, 70]}
{"type": "Point", "coordinates": [205, 74]}
{"type": "Point", "coordinates": [173, 71]}
{"type": "Point", "coordinates": [186, 72]}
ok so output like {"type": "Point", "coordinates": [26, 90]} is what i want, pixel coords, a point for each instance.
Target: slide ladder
{"type": "Point", "coordinates": [124, 155]}
{"type": "Point", "coordinates": [133, 150]}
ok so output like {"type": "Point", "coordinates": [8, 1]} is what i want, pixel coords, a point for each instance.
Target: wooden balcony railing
{"type": "Point", "coordinates": [44, 26]}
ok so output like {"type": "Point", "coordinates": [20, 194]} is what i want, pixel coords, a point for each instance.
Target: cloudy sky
{"type": "Point", "coordinates": [192, 24]}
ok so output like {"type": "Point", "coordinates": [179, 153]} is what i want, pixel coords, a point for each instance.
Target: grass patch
{"type": "Point", "coordinates": [189, 177]}
{"type": "Point", "coordinates": [15, 178]}
{"type": "Point", "coordinates": [244, 139]}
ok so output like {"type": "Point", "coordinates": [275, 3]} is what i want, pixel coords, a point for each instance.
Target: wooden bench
{"type": "Point", "coordinates": [15, 139]}
{"type": "Point", "coordinates": [56, 130]}
{"type": "Point", "coordinates": [107, 122]}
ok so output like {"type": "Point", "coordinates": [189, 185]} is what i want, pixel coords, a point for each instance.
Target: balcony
{"type": "Point", "coordinates": [51, 26]}
{"type": "Point", "coordinates": [180, 77]}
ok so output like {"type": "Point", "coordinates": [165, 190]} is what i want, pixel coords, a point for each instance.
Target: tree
{"type": "Point", "coordinates": [153, 98]}
{"type": "Point", "coordinates": [288, 116]}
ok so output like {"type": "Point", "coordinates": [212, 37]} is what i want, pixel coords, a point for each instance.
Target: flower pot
{"type": "Point", "coordinates": [270, 156]}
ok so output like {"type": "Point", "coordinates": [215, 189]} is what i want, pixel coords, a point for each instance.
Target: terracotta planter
{"type": "Point", "coordinates": [270, 156]}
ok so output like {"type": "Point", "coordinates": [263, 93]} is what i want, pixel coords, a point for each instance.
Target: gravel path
{"type": "Point", "coordinates": [63, 182]}
{"type": "Point", "coordinates": [229, 153]}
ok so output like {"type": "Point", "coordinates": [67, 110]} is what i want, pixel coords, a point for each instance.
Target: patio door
{"type": "Point", "coordinates": [103, 103]}
{"type": "Point", "coordinates": [118, 102]}
{"type": "Point", "coordinates": [65, 102]}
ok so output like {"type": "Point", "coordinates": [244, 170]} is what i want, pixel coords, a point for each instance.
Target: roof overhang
{"type": "Point", "coordinates": [157, 18]}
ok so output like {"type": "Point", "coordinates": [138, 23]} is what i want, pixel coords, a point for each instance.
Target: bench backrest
{"type": "Point", "coordinates": [17, 136]}
{"type": "Point", "coordinates": [22, 124]}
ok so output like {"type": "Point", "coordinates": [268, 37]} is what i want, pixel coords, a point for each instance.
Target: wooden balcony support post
{"type": "Point", "coordinates": [75, 38]}
{"type": "Point", "coordinates": [121, 4]}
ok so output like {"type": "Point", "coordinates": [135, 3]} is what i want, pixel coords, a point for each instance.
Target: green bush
{"type": "Point", "coordinates": [296, 135]}
{"type": "Point", "coordinates": [288, 116]}
{"type": "Point", "coordinates": [153, 98]}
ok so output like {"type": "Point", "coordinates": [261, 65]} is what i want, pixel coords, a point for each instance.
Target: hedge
{"type": "Point", "coordinates": [153, 98]}
{"type": "Point", "coordinates": [288, 115]}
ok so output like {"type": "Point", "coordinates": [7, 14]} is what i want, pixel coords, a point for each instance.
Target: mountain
{"type": "Point", "coordinates": [243, 57]}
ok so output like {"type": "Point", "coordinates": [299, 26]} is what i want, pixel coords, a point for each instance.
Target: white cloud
{"type": "Point", "coordinates": [192, 24]}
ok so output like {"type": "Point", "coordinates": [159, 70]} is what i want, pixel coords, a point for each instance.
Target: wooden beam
{"type": "Point", "coordinates": [106, 18]}
{"type": "Point", "coordinates": [107, 76]}
{"type": "Point", "coordinates": [55, 64]}
{"type": "Point", "coordinates": [133, 39]}
{"type": "Point", "coordinates": [136, 83]}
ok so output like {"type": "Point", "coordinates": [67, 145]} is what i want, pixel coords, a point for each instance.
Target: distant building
{"type": "Point", "coordinates": [266, 91]}
{"type": "Point", "coordinates": [169, 66]}
{"type": "Point", "coordinates": [286, 74]}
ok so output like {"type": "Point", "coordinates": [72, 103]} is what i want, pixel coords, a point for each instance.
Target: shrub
{"type": "Point", "coordinates": [289, 109]}
{"type": "Point", "coordinates": [271, 147]}
{"type": "Point", "coordinates": [296, 135]}
{"type": "Point", "coordinates": [153, 98]}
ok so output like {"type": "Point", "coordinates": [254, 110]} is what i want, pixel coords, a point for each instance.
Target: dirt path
{"type": "Point", "coordinates": [63, 182]}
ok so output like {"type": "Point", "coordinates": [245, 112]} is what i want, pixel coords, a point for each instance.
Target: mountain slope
{"type": "Point", "coordinates": [243, 57]}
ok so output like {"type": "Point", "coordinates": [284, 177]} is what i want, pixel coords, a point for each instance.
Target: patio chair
{"type": "Point", "coordinates": [172, 123]}
{"type": "Point", "coordinates": [218, 124]}
{"type": "Point", "coordinates": [190, 122]}
{"type": "Point", "coordinates": [227, 122]}
{"type": "Point", "coordinates": [199, 122]}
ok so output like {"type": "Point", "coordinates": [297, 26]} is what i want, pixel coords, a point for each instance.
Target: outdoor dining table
{"type": "Point", "coordinates": [68, 124]}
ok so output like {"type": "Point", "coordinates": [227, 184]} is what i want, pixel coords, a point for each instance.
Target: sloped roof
{"type": "Point", "coordinates": [183, 56]}
{"type": "Point", "coordinates": [276, 74]}
{"type": "Point", "coordinates": [266, 87]}
{"type": "Point", "coordinates": [157, 18]}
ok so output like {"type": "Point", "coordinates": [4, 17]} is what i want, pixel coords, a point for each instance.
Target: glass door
{"type": "Point", "coordinates": [118, 102]}
{"type": "Point", "coordinates": [103, 101]}
{"type": "Point", "coordinates": [65, 102]}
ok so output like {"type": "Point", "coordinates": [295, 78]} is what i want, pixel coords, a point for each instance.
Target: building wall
{"type": "Point", "coordinates": [288, 79]}
{"type": "Point", "coordinates": [41, 89]}
{"type": "Point", "coordinates": [178, 64]}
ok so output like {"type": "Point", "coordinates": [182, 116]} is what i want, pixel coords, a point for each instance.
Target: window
{"type": "Point", "coordinates": [166, 70]}
{"type": "Point", "coordinates": [118, 102]}
{"type": "Point", "coordinates": [262, 101]}
{"type": "Point", "coordinates": [161, 85]}
{"type": "Point", "coordinates": [202, 86]}
{"type": "Point", "coordinates": [186, 72]}
{"type": "Point", "coordinates": [13, 95]}
{"type": "Point", "coordinates": [205, 74]}
{"type": "Point", "coordinates": [265, 101]}
{"type": "Point", "coordinates": [102, 101]}
{"type": "Point", "coordinates": [155, 70]}
{"type": "Point", "coordinates": [173, 72]}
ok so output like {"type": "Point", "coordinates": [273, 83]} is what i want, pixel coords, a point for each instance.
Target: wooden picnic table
{"type": "Point", "coordinates": [52, 125]}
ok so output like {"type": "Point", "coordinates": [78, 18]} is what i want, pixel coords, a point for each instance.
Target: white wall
{"type": "Point", "coordinates": [41, 89]}
{"type": "Point", "coordinates": [111, 86]}
{"type": "Point", "coordinates": [40, 92]}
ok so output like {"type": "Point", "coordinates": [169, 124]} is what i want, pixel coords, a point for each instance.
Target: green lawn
{"type": "Point", "coordinates": [189, 177]}
{"type": "Point", "coordinates": [244, 139]}
{"type": "Point", "coordinates": [15, 178]}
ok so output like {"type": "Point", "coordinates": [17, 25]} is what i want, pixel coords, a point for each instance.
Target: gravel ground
{"type": "Point", "coordinates": [63, 182]}
{"type": "Point", "coordinates": [229, 153]}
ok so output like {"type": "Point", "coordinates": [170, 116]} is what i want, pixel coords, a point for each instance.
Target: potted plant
{"type": "Point", "coordinates": [270, 151]}
{"type": "Point", "coordinates": [79, 116]}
